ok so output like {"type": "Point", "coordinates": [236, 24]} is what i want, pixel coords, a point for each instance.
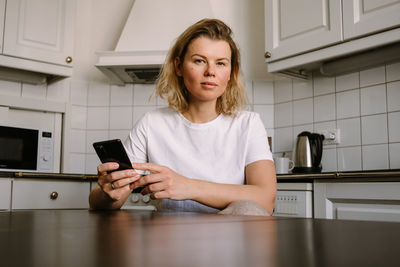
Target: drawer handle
{"type": "Point", "coordinates": [68, 59]}
{"type": "Point", "coordinates": [267, 54]}
{"type": "Point", "coordinates": [53, 195]}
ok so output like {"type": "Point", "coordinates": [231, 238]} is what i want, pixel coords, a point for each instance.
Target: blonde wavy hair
{"type": "Point", "coordinates": [170, 86]}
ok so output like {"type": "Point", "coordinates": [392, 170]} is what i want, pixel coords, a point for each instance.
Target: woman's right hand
{"type": "Point", "coordinates": [118, 184]}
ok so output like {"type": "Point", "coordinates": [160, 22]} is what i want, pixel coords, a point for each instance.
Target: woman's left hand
{"type": "Point", "coordinates": [162, 182]}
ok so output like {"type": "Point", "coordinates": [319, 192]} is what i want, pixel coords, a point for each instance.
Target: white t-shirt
{"type": "Point", "coordinates": [216, 151]}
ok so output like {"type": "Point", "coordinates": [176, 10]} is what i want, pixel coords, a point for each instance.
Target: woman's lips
{"type": "Point", "coordinates": [209, 84]}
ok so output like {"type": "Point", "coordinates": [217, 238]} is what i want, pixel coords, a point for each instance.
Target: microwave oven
{"type": "Point", "coordinates": [23, 149]}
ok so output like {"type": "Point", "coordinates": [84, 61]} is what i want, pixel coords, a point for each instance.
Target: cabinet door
{"type": "Point", "coordinates": [294, 27]}
{"type": "Point", "coordinates": [41, 30]}
{"type": "Point", "coordinates": [2, 14]}
{"type": "Point", "coordinates": [5, 193]}
{"type": "Point", "coordinates": [357, 201]}
{"type": "Point", "coordinates": [50, 194]}
{"type": "Point", "coordinates": [361, 17]}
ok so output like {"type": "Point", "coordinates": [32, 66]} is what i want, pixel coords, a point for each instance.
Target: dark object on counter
{"type": "Point", "coordinates": [307, 153]}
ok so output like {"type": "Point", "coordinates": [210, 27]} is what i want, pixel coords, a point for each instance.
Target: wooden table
{"type": "Point", "coordinates": [132, 238]}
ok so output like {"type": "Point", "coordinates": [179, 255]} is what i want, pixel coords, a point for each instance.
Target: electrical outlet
{"type": "Point", "coordinates": [332, 136]}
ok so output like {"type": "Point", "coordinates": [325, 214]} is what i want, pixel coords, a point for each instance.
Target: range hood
{"type": "Point", "coordinates": [148, 34]}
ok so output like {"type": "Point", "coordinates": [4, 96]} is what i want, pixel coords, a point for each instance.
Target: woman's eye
{"type": "Point", "coordinates": [221, 63]}
{"type": "Point", "coordinates": [199, 60]}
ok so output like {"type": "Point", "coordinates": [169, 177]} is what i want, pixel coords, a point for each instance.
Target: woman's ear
{"type": "Point", "coordinates": [177, 64]}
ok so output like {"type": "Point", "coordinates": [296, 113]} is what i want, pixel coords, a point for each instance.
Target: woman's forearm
{"type": "Point", "coordinates": [260, 187]}
{"type": "Point", "coordinates": [220, 195]}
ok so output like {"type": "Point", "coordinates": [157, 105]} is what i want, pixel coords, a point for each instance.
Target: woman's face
{"type": "Point", "coordinates": [206, 69]}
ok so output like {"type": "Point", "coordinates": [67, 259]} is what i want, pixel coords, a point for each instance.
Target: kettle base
{"type": "Point", "coordinates": [306, 170]}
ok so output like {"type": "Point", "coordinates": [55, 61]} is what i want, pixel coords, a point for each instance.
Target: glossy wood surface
{"type": "Point", "coordinates": [133, 238]}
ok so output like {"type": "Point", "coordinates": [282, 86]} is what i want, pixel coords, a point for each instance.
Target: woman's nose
{"type": "Point", "coordinates": [210, 70]}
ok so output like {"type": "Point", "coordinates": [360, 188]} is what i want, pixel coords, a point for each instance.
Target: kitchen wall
{"type": "Point", "coordinates": [364, 105]}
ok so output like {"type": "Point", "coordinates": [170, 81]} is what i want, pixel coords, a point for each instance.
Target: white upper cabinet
{"type": "Point", "coordinates": [293, 27]}
{"type": "Point", "coordinates": [40, 30]}
{"type": "Point", "coordinates": [361, 17]}
{"type": "Point", "coordinates": [303, 35]}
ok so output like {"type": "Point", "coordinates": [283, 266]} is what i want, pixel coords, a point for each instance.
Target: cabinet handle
{"type": "Point", "coordinates": [267, 54]}
{"type": "Point", "coordinates": [53, 195]}
{"type": "Point", "coordinates": [68, 59]}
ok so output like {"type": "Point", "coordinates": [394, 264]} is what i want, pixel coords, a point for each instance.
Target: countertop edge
{"type": "Point", "coordinates": [390, 175]}
{"type": "Point", "coordinates": [40, 175]}
{"type": "Point", "coordinates": [383, 175]}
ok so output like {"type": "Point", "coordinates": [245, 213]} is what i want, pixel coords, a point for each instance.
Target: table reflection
{"type": "Point", "coordinates": [151, 240]}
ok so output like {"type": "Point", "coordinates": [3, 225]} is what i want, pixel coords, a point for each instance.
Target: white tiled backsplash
{"type": "Point", "coordinates": [365, 106]}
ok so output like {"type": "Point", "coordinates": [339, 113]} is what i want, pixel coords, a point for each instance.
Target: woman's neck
{"type": "Point", "coordinates": [201, 113]}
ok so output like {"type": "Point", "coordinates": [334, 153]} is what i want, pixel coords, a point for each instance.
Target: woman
{"type": "Point", "coordinates": [203, 152]}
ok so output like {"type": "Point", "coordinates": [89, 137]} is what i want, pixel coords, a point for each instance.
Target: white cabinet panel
{"type": "Point", "coordinates": [361, 17]}
{"type": "Point", "coordinates": [303, 35]}
{"type": "Point", "coordinates": [2, 15]}
{"type": "Point", "coordinates": [367, 212]}
{"type": "Point", "coordinates": [50, 194]}
{"type": "Point", "coordinates": [5, 193]}
{"type": "Point", "coordinates": [294, 27]}
{"type": "Point", "coordinates": [40, 30]}
{"type": "Point", "coordinates": [357, 201]}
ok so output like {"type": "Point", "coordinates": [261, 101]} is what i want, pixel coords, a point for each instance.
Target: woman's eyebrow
{"type": "Point", "coordinates": [218, 59]}
{"type": "Point", "coordinates": [224, 58]}
{"type": "Point", "coordinates": [198, 55]}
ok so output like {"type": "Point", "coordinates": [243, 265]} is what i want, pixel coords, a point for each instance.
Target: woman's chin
{"type": "Point", "coordinates": [206, 97]}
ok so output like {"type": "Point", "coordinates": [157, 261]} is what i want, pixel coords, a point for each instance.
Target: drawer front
{"type": "Point", "coordinates": [50, 194]}
{"type": "Point", "coordinates": [5, 193]}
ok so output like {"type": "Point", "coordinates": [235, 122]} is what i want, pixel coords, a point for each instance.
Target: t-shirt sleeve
{"type": "Point", "coordinates": [136, 142]}
{"type": "Point", "coordinates": [258, 147]}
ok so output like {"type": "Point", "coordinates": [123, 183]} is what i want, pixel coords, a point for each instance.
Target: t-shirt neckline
{"type": "Point", "coordinates": [199, 125]}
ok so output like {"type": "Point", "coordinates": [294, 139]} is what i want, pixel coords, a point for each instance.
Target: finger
{"type": "Point", "coordinates": [159, 195]}
{"type": "Point", "coordinates": [148, 179]}
{"type": "Point", "coordinates": [152, 188]}
{"type": "Point", "coordinates": [106, 179]}
{"type": "Point", "coordinates": [108, 166]}
{"type": "Point", "coordinates": [117, 175]}
{"type": "Point", "coordinates": [116, 194]}
{"type": "Point", "coordinates": [156, 187]}
{"type": "Point", "coordinates": [152, 167]}
{"type": "Point", "coordinates": [124, 181]}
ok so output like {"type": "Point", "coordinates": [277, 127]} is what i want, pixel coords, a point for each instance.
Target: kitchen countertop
{"type": "Point", "coordinates": [45, 175]}
{"type": "Point", "coordinates": [352, 176]}
{"type": "Point", "coordinates": [359, 176]}
{"type": "Point", "coordinates": [143, 238]}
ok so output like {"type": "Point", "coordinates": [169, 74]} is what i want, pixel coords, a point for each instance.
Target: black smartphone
{"type": "Point", "coordinates": [113, 151]}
